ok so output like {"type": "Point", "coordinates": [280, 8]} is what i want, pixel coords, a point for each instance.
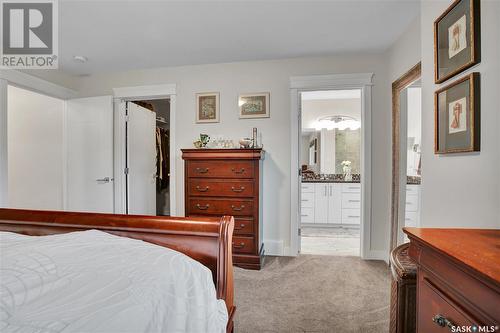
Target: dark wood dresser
{"type": "Point", "coordinates": [228, 182]}
{"type": "Point", "coordinates": [458, 279]}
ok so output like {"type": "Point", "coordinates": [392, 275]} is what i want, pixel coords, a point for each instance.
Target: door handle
{"type": "Point", "coordinates": [205, 207]}
{"type": "Point", "coordinates": [239, 246]}
{"type": "Point", "coordinates": [104, 180]}
{"type": "Point", "coordinates": [202, 170]}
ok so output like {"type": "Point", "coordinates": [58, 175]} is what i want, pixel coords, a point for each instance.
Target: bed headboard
{"type": "Point", "coordinates": [207, 240]}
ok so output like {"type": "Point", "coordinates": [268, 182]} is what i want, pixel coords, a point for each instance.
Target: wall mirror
{"type": "Point", "coordinates": [406, 156]}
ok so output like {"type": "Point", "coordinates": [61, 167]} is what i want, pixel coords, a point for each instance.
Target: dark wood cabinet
{"type": "Point", "coordinates": [458, 279]}
{"type": "Point", "coordinates": [228, 182]}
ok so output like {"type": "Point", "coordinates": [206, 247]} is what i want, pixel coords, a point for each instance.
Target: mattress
{"type": "Point", "coordinates": [92, 281]}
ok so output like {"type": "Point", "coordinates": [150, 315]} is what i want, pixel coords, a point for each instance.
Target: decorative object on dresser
{"type": "Point", "coordinates": [457, 39]}
{"type": "Point", "coordinates": [207, 107]}
{"type": "Point", "coordinates": [403, 291]}
{"type": "Point", "coordinates": [228, 182]}
{"type": "Point", "coordinates": [254, 105]}
{"type": "Point", "coordinates": [457, 113]}
{"type": "Point", "coordinates": [458, 279]}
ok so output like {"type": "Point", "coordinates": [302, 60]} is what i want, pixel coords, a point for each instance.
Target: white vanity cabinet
{"type": "Point", "coordinates": [331, 203]}
{"type": "Point", "coordinates": [412, 209]}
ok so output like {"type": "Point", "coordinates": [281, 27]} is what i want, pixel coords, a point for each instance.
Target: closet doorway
{"type": "Point", "coordinates": [147, 157]}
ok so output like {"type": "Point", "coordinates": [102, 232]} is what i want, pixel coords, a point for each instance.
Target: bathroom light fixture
{"type": "Point", "coordinates": [339, 122]}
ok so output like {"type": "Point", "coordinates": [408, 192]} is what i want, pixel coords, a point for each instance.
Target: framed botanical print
{"type": "Point", "coordinates": [457, 39]}
{"type": "Point", "coordinates": [254, 105]}
{"type": "Point", "coordinates": [207, 107]}
{"type": "Point", "coordinates": [457, 116]}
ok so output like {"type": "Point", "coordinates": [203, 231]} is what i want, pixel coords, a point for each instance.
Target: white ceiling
{"type": "Point", "coordinates": [124, 35]}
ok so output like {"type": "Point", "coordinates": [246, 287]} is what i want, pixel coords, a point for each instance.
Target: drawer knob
{"type": "Point", "coordinates": [237, 190]}
{"type": "Point", "coordinates": [442, 321]}
{"type": "Point", "coordinates": [204, 189]}
{"type": "Point", "coordinates": [203, 207]}
{"type": "Point", "coordinates": [239, 227]}
{"type": "Point", "coordinates": [239, 246]}
{"type": "Point", "coordinates": [242, 170]}
{"type": "Point", "coordinates": [202, 170]}
{"type": "Point", "coordinates": [237, 208]}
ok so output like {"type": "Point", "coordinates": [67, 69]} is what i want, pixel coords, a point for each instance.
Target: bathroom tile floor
{"type": "Point", "coordinates": [333, 241]}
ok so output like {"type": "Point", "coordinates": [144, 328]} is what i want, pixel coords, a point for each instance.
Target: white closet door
{"type": "Point", "coordinates": [89, 151]}
{"type": "Point", "coordinates": [141, 139]}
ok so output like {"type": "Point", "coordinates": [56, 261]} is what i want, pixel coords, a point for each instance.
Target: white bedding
{"type": "Point", "coordinates": [92, 281]}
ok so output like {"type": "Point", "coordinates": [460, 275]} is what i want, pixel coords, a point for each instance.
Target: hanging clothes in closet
{"type": "Point", "coordinates": [162, 158]}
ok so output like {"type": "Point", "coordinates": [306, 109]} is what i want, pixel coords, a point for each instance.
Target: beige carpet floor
{"type": "Point", "coordinates": [313, 294]}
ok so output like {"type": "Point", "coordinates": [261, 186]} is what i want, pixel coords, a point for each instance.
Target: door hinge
{"type": "Point", "coordinates": [127, 118]}
{"type": "Point", "coordinates": [299, 232]}
{"type": "Point", "coordinates": [125, 171]}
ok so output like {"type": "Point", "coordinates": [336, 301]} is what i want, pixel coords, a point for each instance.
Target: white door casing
{"type": "Point", "coordinates": [141, 157]}
{"type": "Point", "coordinates": [89, 154]}
{"type": "Point", "coordinates": [364, 82]}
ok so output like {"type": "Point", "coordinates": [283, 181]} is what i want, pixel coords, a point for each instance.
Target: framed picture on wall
{"type": "Point", "coordinates": [457, 116]}
{"type": "Point", "coordinates": [254, 105]}
{"type": "Point", "coordinates": [207, 107]}
{"type": "Point", "coordinates": [457, 39]}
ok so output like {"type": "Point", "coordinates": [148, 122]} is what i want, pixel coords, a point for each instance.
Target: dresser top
{"type": "Point", "coordinates": [479, 249]}
{"type": "Point", "coordinates": [208, 153]}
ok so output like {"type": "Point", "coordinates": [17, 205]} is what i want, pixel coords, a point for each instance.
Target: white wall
{"type": "Point", "coordinates": [35, 150]}
{"type": "Point", "coordinates": [266, 76]}
{"type": "Point", "coordinates": [405, 52]}
{"type": "Point", "coordinates": [462, 190]}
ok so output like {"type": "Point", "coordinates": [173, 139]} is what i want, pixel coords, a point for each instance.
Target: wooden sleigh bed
{"type": "Point", "coordinates": [207, 240]}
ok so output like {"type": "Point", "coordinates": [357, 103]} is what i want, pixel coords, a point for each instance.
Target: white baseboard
{"type": "Point", "coordinates": [377, 255]}
{"type": "Point", "coordinates": [273, 248]}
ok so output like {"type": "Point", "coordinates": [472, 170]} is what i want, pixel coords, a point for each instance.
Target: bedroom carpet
{"type": "Point", "coordinates": [313, 293]}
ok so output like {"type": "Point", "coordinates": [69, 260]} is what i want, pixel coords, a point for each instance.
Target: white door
{"type": "Point", "coordinates": [141, 157]}
{"type": "Point", "coordinates": [89, 151]}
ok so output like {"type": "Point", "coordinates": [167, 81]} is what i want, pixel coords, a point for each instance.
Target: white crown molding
{"type": "Point", "coordinates": [33, 83]}
{"type": "Point", "coordinates": [151, 91]}
{"type": "Point", "coordinates": [331, 80]}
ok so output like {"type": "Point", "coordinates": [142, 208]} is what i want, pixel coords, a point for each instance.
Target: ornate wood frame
{"type": "Point", "coordinates": [474, 119]}
{"type": "Point", "coordinates": [207, 240]}
{"type": "Point", "coordinates": [397, 86]}
{"type": "Point", "coordinates": [475, 38]}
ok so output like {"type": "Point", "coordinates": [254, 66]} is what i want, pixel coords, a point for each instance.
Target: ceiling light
{"type": "Point", "coordinates": [80, 59]}
{"type": "Point", "coordinates": [339, 122]}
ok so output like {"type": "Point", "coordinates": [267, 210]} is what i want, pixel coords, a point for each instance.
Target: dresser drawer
{"type": "Point", "coordinates": [351, 216]}
{"type": "Point", "coordinates": [220, 169]}
{"type": "Point", "coordinates": [233, 207]}
{"type": "Point", "coordinates": [307, 200]}
{"type": "Point", "coordinates": [243, 226]}
{"type": "Point", "coordinates": [220, 188]}
{"type": "Point", "coordinates": [436, 313]}
{"type": "Point", "coordinates": [243, 244]}
{"type": "Point", "coordinates": [351, 200]}
{"type": "Point", "coordinates": [351, 188]}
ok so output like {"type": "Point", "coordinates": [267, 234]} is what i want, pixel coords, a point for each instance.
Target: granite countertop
{"type": "Point", "coordinates": [339, 178]}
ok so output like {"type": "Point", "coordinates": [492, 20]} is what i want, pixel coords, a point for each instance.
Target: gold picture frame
{"type": "Point", "coordinates": [457, 116]}
{"type": "Point", "coordinates": [457, 39]}
{"type": "Point", "coordinates": [254, 105]}
{"type": "Point", "coordinates": [207, 107]}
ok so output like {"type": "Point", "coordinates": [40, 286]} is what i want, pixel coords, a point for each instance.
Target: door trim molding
{"type": "Point", "coordinates": [123, 94]}
{"type": "Point", "coordinates": [298, 84]}
{"type": "Point", "coordinates": [397, 86]}
{"type": "Point", "coordinates": [36, 84]}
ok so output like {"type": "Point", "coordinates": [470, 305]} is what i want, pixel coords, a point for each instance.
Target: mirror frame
{"type": "Point", "coordinates": [397, 86]}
